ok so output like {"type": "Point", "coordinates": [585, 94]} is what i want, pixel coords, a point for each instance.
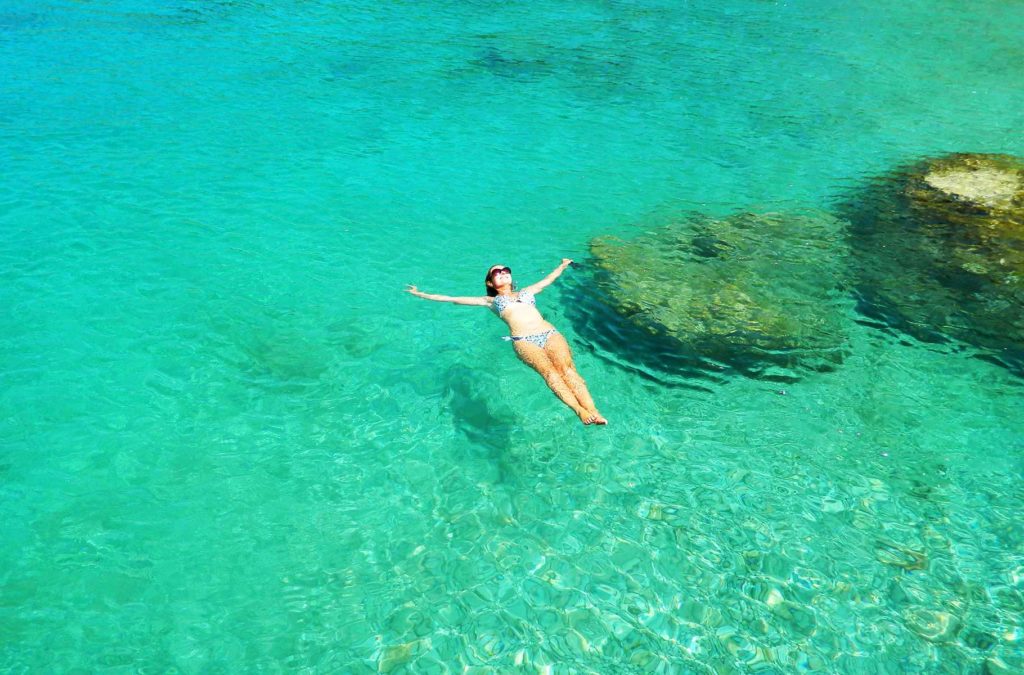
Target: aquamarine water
{"type": "Point", "coordinates": [230, 443]}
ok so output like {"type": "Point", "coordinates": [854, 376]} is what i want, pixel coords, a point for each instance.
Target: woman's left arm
{"type": "Point", "coordinates": [549, 279]}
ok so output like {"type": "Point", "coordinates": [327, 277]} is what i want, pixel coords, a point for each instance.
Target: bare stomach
{"type": "Point", "coordinates": [525, 321]}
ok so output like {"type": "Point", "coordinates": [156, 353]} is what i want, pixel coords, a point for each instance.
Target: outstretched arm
{"type": "Point", "coordinates": [549, 279]}
{"type": "Point", "coordinates": [482, 301]}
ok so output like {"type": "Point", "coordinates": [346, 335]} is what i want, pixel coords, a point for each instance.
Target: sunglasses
{"type": "Point", "coordinates": [501, 270]}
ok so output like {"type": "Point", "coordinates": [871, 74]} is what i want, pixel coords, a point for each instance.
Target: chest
{"type": "Point", "coordinates": [503, 302]}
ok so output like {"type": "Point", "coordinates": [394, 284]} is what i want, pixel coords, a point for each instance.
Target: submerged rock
{"type": "Point", "coordinates": [940, 251]}
{"type": "Point", "coordinates": [757, 293]}
{"type": "Point", "coordinates": [904, 557]}
{"type": "Point", "coordinates": [472, 407]}
{"type": "Point", "coordinates": [972, 190]}
{"type": "Point", "coordinates": [977, 203]}
{"type": "Point", "coordinates": [933, 625]}
{"type": "Point", "coordinates": [504, 65]}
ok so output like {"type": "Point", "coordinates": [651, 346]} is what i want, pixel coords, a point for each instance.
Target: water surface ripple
{"type": "Point", "coordinates": [231, 443]}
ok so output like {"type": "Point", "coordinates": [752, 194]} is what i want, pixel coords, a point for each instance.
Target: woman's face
{"type": "Point", "coordinates": [500, 275]}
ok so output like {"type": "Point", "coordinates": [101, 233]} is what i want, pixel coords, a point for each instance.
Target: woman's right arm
{"type": "Point", "coordinates": [481, 301]}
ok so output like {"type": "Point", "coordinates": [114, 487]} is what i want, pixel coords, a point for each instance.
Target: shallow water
{"type": "Point", "coordinates": [230, 441]}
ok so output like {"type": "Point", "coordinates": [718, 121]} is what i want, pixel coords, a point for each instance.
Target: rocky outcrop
{"type": "Point", "coordinates": [758, 293]}
{"type": "Point", "coordinates": [939, 249]}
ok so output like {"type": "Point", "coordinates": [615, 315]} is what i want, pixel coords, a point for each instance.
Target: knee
{"type": "Point", "coordinates": [553, 378]}
{"type": "Point", "coordinates": [570, 373]}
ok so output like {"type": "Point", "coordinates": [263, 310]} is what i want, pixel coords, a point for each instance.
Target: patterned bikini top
{"type": "Point", "coordinates": [502, 302]}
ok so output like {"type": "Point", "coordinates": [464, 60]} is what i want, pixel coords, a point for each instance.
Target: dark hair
{"type": "Point", "coordinates": [487, 282]}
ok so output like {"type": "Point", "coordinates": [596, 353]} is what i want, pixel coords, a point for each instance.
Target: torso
{"type": "Point", "coordinates": [519, 311]}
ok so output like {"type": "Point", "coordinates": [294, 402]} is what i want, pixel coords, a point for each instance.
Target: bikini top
{"type": "Point", "coordinates": [501, 302]}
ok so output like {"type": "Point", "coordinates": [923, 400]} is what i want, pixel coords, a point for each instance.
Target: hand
{"type": "Point", "coordinates": [412, 289]}
{"type": "Point", "coordinates": [566, 262]}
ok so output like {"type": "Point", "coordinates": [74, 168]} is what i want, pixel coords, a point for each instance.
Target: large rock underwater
{"type": "Point", "coordinates": [934, 250]}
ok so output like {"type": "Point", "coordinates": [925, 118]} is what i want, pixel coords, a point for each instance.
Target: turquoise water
{"type": "Point", "coordinates": [231, 443]}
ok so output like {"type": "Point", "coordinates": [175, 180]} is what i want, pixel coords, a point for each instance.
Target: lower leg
{"type": "Point", "coordinates": [566, 395]}
{"type": "Point", "coordinates": [579, 388]}
{"type": "Point", "coordinates": [560, 356]}
{"type": "Point", "coordinates": [535, 357]}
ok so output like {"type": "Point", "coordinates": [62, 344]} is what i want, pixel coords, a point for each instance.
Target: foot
{"type": "Point", "coordinates": [591, 417]}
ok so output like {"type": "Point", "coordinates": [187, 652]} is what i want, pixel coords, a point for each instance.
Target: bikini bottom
{"type": "Point", "coordinates": [539, 339]}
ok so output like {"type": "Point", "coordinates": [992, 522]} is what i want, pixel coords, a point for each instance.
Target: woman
{"type": "Point", "coordinates": [535, 340]}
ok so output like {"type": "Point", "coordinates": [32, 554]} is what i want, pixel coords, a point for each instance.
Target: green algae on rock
{"type": "Point", "coordinates": [940, 251]}
{"type": "Point", "coordinates": [758, 293]}
{"type": "Point", "coordinates": [978, 202]}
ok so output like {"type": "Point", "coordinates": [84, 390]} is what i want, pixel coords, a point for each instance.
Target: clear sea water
{"type": "Point", "coordinates": [229, 442]}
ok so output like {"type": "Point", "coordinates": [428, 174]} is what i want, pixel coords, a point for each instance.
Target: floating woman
{"type": "Point", "coordinates": [536, 341]}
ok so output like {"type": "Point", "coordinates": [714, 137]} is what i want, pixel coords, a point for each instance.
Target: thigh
{"type": "Point", "coordinates": [557, 350]}
{"type": "Point", "coordinates": [533, 356]}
